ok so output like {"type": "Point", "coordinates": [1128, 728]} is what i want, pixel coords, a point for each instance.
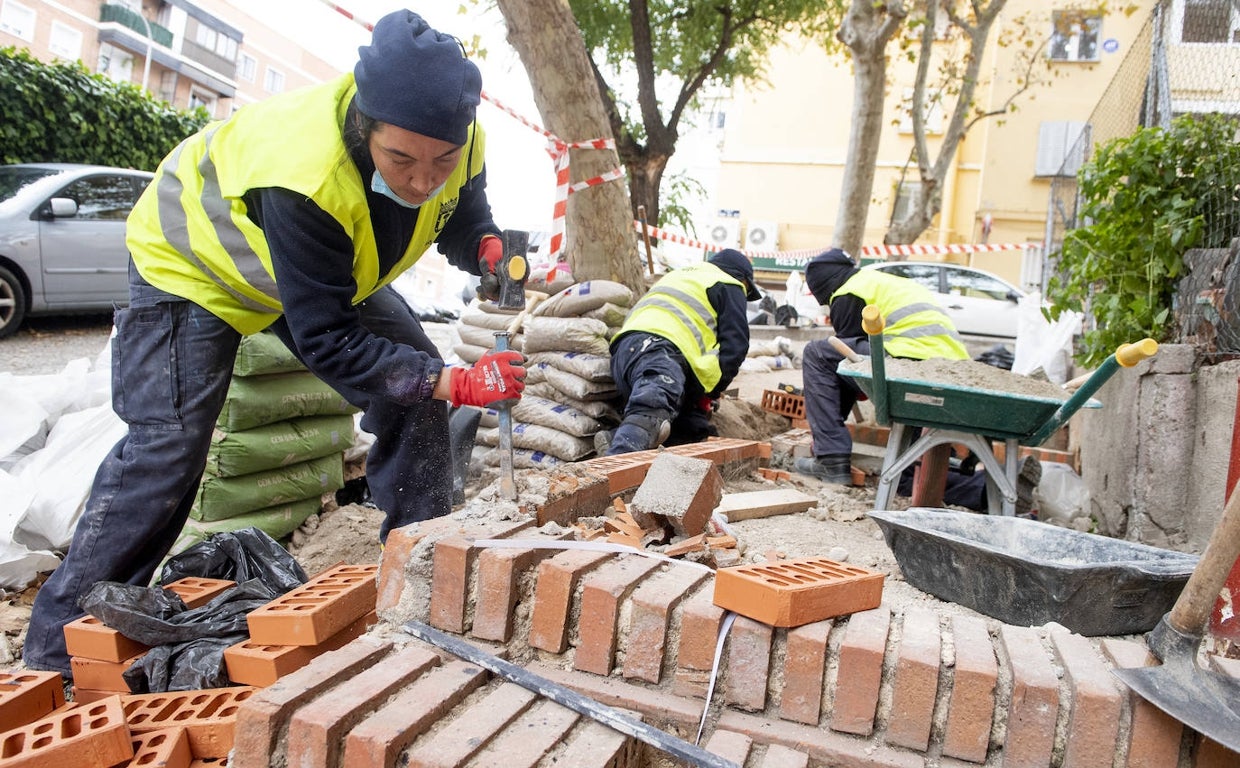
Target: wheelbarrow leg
{"type": "Point", "coordinates": [887, 480]}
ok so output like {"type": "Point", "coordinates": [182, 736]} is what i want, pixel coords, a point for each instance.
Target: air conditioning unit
{"type": "Point", "coordinates": [724, 233]}
{"type": "Point", "coordinates": [762, 236]}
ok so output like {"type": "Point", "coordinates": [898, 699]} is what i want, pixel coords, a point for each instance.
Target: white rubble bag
{"type": "Point", "coordinates": [1041, 343]}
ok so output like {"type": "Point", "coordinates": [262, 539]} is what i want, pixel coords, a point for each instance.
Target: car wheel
{"type": "Point", "coordinates": [12, 303]}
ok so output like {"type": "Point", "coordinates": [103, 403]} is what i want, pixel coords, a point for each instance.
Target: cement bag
{"type": "Point", "coordinates": [261, 353]}
{"type": "Point", "coordinates": [597, 409]}
{"type": "Point", "coordinates": [537, 438]}
{"type": "Point", "coordinates": [548, 413]}
{"type": "Point", "coordinates": [566, 334]}
{"type": "Point", "coordinates": [578, 388]}
{"type": "Point", "coordinates": [493, 321]}
{"type": "Point", "coordinates": [276, 521]}
{"type": "Point", "coordinates": [281, 444]}
{"type": "Point", "coordinates": [523, 459]}
{"type": "Point", "coordinates": [549, 279]}
{"type": "Point", "coordinates": [253, 401]}
{"type": "Point", "coordinates": [585, 297]}
{"type": "Point", "coordinates": [534, 371]}
{"type": "Point", "coordinates": [485, 338]}
{"type": "Point", "coordinates": [220, 498]}
{"type": "Point", "coordinates": [596, 368]}
{"type": "Point", "coordinates": [770, 347]}
{"type": "Point", "coordinates": [611, 314]}
{"type": "Point", "coordinates": [489, 418]}
{"type": "Point", "coordinates": [61, 473]}
{"type": "Point", "coordinates": [469, 353]}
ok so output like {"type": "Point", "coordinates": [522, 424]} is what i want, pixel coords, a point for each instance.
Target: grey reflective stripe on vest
{"type": "Point", "coordinates": [651, 300]}
{"type": "Point", "coordinates": [927, 330]}
{"type": "Point", "coordinates": [172, 223]}
{"type": "Point", "coordinates": [912, 309]}
{"type": "Point", "coordinates": [932, 329]}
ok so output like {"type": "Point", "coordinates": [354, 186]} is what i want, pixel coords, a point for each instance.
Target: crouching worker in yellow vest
{"type": "Point", "coordinates": [678, 350]}
{"type": "Point", "coordinates": [294, 214]}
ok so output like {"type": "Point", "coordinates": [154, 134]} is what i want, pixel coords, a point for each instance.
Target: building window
{"type": "Point", "coordinates": [933, 114]}
{"type": "Point", "coordinates": [904, 200]}
{"type": "Point", "coordinates": [115, 63]}
{"type": "Point", "coordinates": [65, 41]}
{"type": "Point", "coordinates": [1209, 21]}
{"type": "Point", "coordinates": [204, 99]}
{"type": "Point", "coordinates": [1074, 35]}
{"type": "Point", "coordinates": [1061, 148]}
{"type": "Point", "coordinates": [247, 68]}
{"type": "Point", "coordinates": [273, 82]}
{"type": "Point", "coordinates": [17, 20]}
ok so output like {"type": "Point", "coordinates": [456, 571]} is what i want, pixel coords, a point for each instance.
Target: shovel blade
{"type": "Point", "coordinates": [1202, 699]}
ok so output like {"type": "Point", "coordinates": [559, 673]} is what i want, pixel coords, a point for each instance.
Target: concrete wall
{"type": "Point", "coordinates": [1155, 456]}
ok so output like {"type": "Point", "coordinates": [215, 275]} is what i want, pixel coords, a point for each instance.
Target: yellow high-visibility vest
{"type": "Point", "coordinates": [190, 235]}
{"type": "Point", "coordinates": [677, 309]}
{"type": "Point", "coordinates": [915, 326]}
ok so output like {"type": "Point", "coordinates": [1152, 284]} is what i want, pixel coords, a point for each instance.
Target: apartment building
{"type": "Point", "coordinates": [190, 53]}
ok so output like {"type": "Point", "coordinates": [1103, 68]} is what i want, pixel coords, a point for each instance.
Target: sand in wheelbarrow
{"type": "Point", "coordinates": [965, 373]}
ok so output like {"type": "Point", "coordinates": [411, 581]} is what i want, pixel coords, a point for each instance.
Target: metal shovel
{"type": "Point", "coordinates": [1204, 700]}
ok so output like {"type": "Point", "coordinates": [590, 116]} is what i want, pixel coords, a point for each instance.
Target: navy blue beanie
{"type": "Point", "coordinates": [416, 78]}
{"type": "Point", "coordinates": [826, 272]}
{"type": "Point", "coordinates": [737, 265]}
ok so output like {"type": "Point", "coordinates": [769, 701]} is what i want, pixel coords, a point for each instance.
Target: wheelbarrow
{"type": "Point", "coordinates": [976, 418]}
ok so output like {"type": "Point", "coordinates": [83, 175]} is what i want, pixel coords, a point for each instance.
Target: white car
{"type": "Point", "coordinates": [978, 302]}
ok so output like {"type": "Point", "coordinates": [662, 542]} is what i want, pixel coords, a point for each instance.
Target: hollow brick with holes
{"type": "Point", "coordinates": [91, 735]}
{"type": "Point", "coordinates": [27, 696]}
{"type": "Point", "coordinates": [165, 748]}
{"type": "Point", "coordinates": [96, 675]}
{"type": "Point", "coordinates": [209, 717]}
{"type": "Point", "coordinates": [313, 612]}
{"type": "Point", "coordinates": [789, 593]}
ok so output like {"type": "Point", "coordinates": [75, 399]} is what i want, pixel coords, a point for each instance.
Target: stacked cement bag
{"type": "Point", "coordinates": [770, 355]}
{"type": "Point", "coordinates": [476, 330]}
{"type": "Point", "coordinates": [278, 446]}
{"type": "Point", "coordinates": [570, 394]}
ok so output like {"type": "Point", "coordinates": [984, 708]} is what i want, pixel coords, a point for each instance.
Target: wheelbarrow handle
{"type": "Point", "coordinates": [872, 320]}
{"type": "Point", "coordinates": [842, 347]}
{"type": "Point", "coordinates": [872, 324]}
{"type": "Point", "coordinates": [1127, 355]}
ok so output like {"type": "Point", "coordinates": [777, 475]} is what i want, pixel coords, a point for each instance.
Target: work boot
{"type": "Point", "coordinates": [1027, 485]}
{"type": "Point", "coordinates": [602, 441]}
{"type": "Point", "coordinates": [835, 469]}
{"type": "Point", "coordinates": [638, 432]}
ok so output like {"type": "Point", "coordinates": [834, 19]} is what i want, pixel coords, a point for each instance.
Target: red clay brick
{"type": "Point", "coordinates": [593, 745]}
{"type": "Point", "coordinates": [380, 738]}
{"type": "Point", "coordinates": [680, 490]}
{"type": "Point", "coordinates": [779, 756]}
{"type": "Point", "coordinates": [27, 696]}
{"type": "Point", "coordinates": [699, 633]}
{"type": "Point", "coordinates": [263, 718]}
{"type": "Point", "coordinates": [398, 555]}
{"type": "Point", "coordinates": [524, 741]}
{"type": "Point", "coordinates": [90, 695]}
{"type": "Point", "coordinates": [251, 663]}
{"type": "Point", "coordinates": [1093, 721]}
{"type": "Point", "coordinates": [209, 717]}
{"type": "Point", "coordinates": [1153, 736]}
{"type": "Point", "coordinates": [451, 562]}
{"type": "Point", "coordinates": [623, 472]}
{"type": "Point", "coordinates": [823, 746]}
{"type": "Point", "coordinates": [165, 748]}
{"type": "Point", "coordinates": [90, 735]}
{"type": "Point", "coordinates": [553, 597]}
{"type": "Point", "coordinates": [730, 746]}
{"type": "Point", "coordinates": [89, 638]}
{"type": "Point", "coordinates": [572, 493]}
{"type": "Point", "coordinates": [499, 578]}
{"type": "Point", "coordinates": [471, 730]}
{"type": "Point", "coordinates": [972, 702]}
{"type": "Point", "coordinates": [805, 664]}
{"type": "Point", "coordinates": [789, 593]}
{"type": "Point", "coordinates": [662, 707]}
{"type": "Point", "coordinates": [316, 730]}
{"type": "Point", "coordinates": [1035, 700]}
{"type": "Point", "coordinates": [860, 671]}
{"type": "Point", "coordinates": [1211, 754]}
{"type": "Point", "coordinates": [602, 593]}
{"type": "Point", "coordinates": [318, 609]}
{"type": "Point", "coordinates": [98, 675]}
{"type": "Point", "coordinates": [651, 608]}
{"type": "Point", "coordinates": [749, 664]}
{"type": "Point", "coordinates": [916, 681]}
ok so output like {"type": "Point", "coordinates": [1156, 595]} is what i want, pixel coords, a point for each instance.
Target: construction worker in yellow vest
{"type": "Point", "coordinates": [678, 350]}
{"type": "Point", "coordinates": [294, 214]}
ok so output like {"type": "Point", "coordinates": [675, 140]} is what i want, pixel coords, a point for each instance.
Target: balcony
{"type": "Point", "coordinates": [127, 18]}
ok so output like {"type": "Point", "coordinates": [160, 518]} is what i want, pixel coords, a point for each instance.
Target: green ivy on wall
{"type": "Point", "coordinates": [61, 112]}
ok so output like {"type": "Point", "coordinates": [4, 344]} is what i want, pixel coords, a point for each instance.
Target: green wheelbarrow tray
{"type": "Point", "coordinates": [941, 405]}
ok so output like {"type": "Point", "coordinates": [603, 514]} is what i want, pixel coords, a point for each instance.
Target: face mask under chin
{"type": "Point", "coordinates": [378, 184]}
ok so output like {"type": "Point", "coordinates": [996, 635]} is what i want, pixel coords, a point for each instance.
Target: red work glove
{"type": "Point", "coordinates": [496, 377]}
{"type": "Point", "coordinates": [490, 252]}
{"type": "Point", "coordinates": [708, 404]}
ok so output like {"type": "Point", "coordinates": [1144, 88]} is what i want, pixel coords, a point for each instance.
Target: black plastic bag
{"type": "Point", "coordinates": [999, 356]}
{"type": "Point", "coordinates": [248, 553]}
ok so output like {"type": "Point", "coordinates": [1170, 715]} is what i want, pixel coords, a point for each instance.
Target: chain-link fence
{"type": "Point", "coordinates": [1185, 60]}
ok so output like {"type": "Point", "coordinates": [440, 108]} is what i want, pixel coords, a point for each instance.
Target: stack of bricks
{"type": "Point", "coordinates": [99, 654]}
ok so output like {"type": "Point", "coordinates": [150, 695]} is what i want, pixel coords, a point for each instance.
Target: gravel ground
{"type": "Point", "coordinates": [43, 345]}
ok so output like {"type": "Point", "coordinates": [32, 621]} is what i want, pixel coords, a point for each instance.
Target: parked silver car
{"type": "Point", "coordinates": [62, 239]}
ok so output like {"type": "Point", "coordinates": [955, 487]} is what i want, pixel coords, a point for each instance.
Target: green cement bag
{"type": "Point", "coordinates": [221, 498]}
{"type": "Point", "coordinates": [262, 353]}
{"type": "Point", "coordinates": [281, 444]}
{"type": "Point", "coordinates": [254, 401]}
{"type": "Point", "coordinates": [276, 521]}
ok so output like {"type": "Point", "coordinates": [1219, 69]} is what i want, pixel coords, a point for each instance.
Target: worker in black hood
{"type": "Point", "coordinates": [678, 350]}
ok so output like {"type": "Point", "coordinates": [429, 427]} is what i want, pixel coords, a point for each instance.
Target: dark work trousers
{"type": "Point", "coordinates": [829, 397]}
{"type": "Point", "coordinates": [172, 363]}
{"type": "Point", "coordinates": [653, 383]}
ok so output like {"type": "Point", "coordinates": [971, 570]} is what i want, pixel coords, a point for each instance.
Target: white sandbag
{"type": "Point", "coordinates": [533, 409]}
{"type": "Point", "coordinates": [581, 298]}
{"type": "Point", "coordinates": [609, 313]}
{"type": "Point", "coordinates": [549, 279]}
{"type": "Point", "coordinates": [578, 388]}
{"type": "Point", "coordinates": [770, 347]}
{"type": "Point", "coordinates": [538, 438]}
{"type": "Point", "coordinates": [493, 321]}
{"type": "Point", "coordinates": [34, 403]}
{"type": "Point", "coordinates": [565, 334]}
{"type": "Point", "coordinates": [61, 474]}
{"type": "Point", "coordinates": [523, 459]}
{"type": "Point", "coordinates": [603, 410]}
{"type": "Point", "coordinates": [485, 338]}
{"type": "Point", "coordinates": [19, 567]}
{"type": "Point", "coordinates": [596, 368]}
{"type": "Point", "coordinates": [469, 353]}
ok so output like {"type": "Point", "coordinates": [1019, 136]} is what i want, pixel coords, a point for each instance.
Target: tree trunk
{"type": "Point", "coordinates": [867, 28]}
{"type": "Point", "coordinates": [601, 242]}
